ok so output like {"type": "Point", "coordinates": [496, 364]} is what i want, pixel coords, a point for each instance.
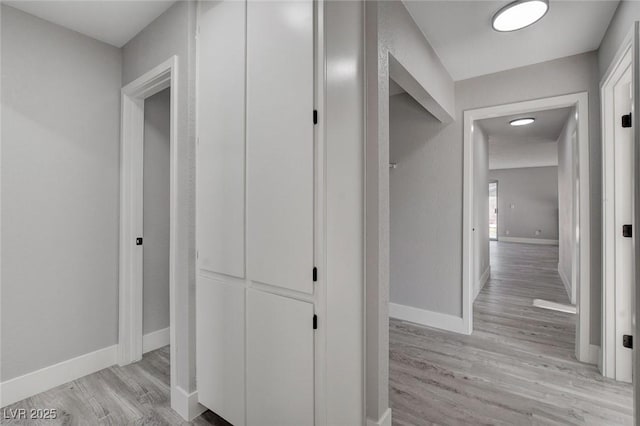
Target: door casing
{"type": "Point", "coordinates": [163, 76]}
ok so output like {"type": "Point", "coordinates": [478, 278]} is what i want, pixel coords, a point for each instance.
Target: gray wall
{"type": "Point", "coordinates": [533, 192]}
{"type": "Point", "coordinates": [626, 14]}
{"type": "Point", "coordinates": [416, 210]}
{"type": "Point", "coordinates": [60, 176]}
{"type": "Point", "coordinates": [565, 198]}
{"type": "Point", "coordinates": [480, 204]}
{"type": "Point", "coordinates": [173, 33]}
{"type": "Point", "coordinates": [156, 212]}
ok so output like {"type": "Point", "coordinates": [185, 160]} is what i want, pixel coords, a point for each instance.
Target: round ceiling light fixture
{"type": "Point", "coordinates": [522, 121]}
{"type": "Point", "coordinates": [519, 14]}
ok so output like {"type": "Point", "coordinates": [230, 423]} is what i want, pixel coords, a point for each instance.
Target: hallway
{"type": "Point", "coordinates": [518, 366]}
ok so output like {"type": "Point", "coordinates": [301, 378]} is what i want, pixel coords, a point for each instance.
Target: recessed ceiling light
{"type": "Point", "coordinates": [519, 14]}
{"type": "Point", "coordinates": [522, 121]}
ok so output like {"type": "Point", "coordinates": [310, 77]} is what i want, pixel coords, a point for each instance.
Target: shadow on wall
{"type": "Point", "coordinates": [419, 253]}
{"type": "Point", "coordinates": [410, 127]}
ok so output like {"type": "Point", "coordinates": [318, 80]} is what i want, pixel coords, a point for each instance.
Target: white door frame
{"type": "Point", "coordinates": [579, 100]}
{"type": "Point", "coordinates": [621, 63]}
{"type": "Point", "coordinates": [131, 209]}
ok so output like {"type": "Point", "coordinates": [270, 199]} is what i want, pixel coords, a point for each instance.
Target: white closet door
{"type": "Point", "coordinates": [280, 143]}
{"type": "Point", "coordinates": [220, 348]}
{"type": "Point", "coordinates": [279, 360]}
{"type": "Point", "coordinates": [221, 132]}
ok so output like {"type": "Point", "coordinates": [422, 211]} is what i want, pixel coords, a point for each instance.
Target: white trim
{"type": "Point", "coordinates": [581, 102]}
{"type": "Point", "coordinates": [428, 318]}
{"type": "Point", "coordinates": [186, 404]}
{"type": "Point", "coordinates": [554, 306]}
{"type": "Point", "coordinates": [155, 340]}
{"type": "Point", "coordinates": [21, 387]}
{"type": "Point", "coordinates": [130, 346]}
{"type": "Point", "coordinates": [542, 241]}
{"type": "Point", "coordinates": [599, 360]}
{"type": "Point", "coordinates": [593, 354]}
{"type": "Point", "coordinates": [384, 420]}
{"type": "Point", "coordinates": [565, 281]}
{"type": "Point", "coordinates": [481, 282]}
{"type": "Point", "coordinates": [618, 66]}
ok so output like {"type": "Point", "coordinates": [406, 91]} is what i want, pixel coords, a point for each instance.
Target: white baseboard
{"type": "Point", "coordinates": [529, 241]}
{"type": "Point", "coordinates": [46, 378]}
{"type": "Point", "coordinates": [482, 281]}
{"type": "Point", "coordinates": [428, 318]}
{"type": "Point", "coordinates": [555, 306]}
{"type": "Point", "coordinates": [155, 340]}
{"type": "Point", "coordinates": [384, 420]}
{"type": "Point", "coordinates": [565, 280]}
{"type": "Point", "coordinates": [186, 404]}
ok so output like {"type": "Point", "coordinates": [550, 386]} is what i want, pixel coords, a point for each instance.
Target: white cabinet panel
{"type": "Point", "coordinates": [220, 345]}
{"type": "Point", "coordinates": [279, 360]}
{"type": "Point", "coordinates": [221, 131]}
{"type": "Point", "coordinates": [280, 143]}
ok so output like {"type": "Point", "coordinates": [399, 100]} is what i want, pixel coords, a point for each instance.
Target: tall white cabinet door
{"type": "Point", "coordinates": [279, 360]}
{"type": "Point", "coordinates": [221, 133]}
{"type": "Point", "coordinates": [220, 349]}
{"type": "Point", "coordinates": [280, 144]}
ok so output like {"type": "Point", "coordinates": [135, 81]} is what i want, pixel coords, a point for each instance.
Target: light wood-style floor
{"type": "Point", "coordinates": [137, 394]}
{"type": "Point", "coordinates": [517, 368]}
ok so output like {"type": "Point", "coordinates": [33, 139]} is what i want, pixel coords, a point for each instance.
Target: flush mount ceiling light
{"type": "Point", "coordinates": [519, 14]}
{"type": "Point", "coordinates": [522, 121]}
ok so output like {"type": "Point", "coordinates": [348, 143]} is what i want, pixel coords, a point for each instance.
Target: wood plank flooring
{"type": "Point", "coordinates": [137, 394]}
{"type": "Point", "coordinates": [517, 368]}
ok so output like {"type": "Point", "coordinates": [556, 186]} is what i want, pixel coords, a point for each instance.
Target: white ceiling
{"type": "Point", "coordinates": [461, 33]}
{"type": "Point", "coordinates": [112, 21]}
{"type": "Point", "coordinates": [534, 145]}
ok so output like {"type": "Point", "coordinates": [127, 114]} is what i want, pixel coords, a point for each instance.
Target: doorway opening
{"type": "Point", "coordinates": [579, 262]}
{"type": "Point", "coordinates": [155, 296]}
{"type": "Point", "coordinates": [493, 211]}
{"type": "Point", "coordinates": [160, 81]}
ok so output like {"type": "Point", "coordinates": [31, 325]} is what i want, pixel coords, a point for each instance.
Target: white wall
{"type": "Point", "coordinates": [157, 156]}
{"type": "Point", "coordinates": [565, 198]}
{"type": "Point", "coordinates": [344, 28]}
{"type": "Point", "coordinates": [533, 193]}
{"type": "Point", "coordinates": [173, 33]}
{"type": "Point", "coordinates": [60, 176]}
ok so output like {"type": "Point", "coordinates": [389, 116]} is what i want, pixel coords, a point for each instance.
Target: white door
{"type": "Point", "coordinates": [279, 360]}
{"type": "Point", "coordinates": [220, 210]}
{"type": "Point", "coordinates": [623, 178]}
{"type": "Point", "coordinates": [220, 326]}
{"type": "Point", "coordinates": [255, 212]}
{"type": "Point", "coordinates": [280, 138]}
